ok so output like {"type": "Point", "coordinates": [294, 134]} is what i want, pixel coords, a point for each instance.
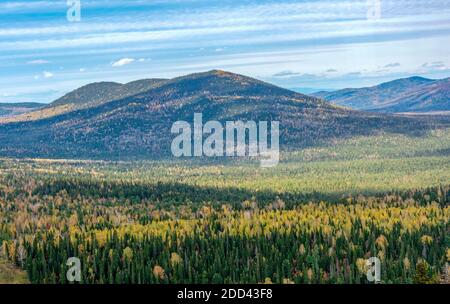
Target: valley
{"type": "Point", "coordinates": [312, 219]}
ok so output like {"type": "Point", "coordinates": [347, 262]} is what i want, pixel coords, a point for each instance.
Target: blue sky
{"type": "Point", "coordinates": [295, 44]}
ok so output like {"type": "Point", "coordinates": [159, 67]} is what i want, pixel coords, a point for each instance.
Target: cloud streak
{"type": "Point", "coordinates": [122, 62]}
{"type": "Point", "coordinates": [38, 61]}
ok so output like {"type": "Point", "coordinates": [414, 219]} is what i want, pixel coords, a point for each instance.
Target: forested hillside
{"type": "Point", "coordinates": [110, 127]}
{"type": "Point", "coordinates": [315, 218]}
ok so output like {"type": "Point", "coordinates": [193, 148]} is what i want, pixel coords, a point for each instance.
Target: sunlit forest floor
{"type": "Point", "coordinates": [356, 166]}
{"type": "Point", "coordinates": [312, 219]}
{"type": "Point", "coordinates": [10, 274]}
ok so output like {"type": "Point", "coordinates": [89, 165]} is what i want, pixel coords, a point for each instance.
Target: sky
{"type": "Point", "coordinates": [308, 45]}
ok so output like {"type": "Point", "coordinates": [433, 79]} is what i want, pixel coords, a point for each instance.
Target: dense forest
{"type": "Point", "coordinates": [166, 223]}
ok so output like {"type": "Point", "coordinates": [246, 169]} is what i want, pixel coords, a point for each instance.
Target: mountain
{"type": "Point", "coordinates": [88, 96]}
{"type": "Point", "coordinates": [307, 91]}
{"type": "Point", "coordinates": [11, 109]}
{"type": "Point", "coordinates": [100, 92]}
{"type": "Point", "coordinates": [138, 126]}
{"type": "Point", "coordinates": [414, 94]}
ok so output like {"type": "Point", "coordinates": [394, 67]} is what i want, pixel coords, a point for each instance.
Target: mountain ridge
{"type": "Point", "coordinates": [105, 91]}
{"type": "Point", "coordinates": [413, 94]}
{"type": "Point", "coordinates": [138, 126]}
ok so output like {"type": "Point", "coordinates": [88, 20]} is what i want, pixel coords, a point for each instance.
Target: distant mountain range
{"type": "Point", "coordinates": [11, 109]}
{"type": "Point", "coordinates": [133, 121]}
{"type": "Point", "coordinates": [414, 94]}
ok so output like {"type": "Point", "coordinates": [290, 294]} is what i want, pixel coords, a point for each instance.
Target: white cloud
{"type": "Point", "coordinates": [122, 62]}
{"type": "Point", "coordinates": [8, 95]}
{"type": "Point", "coordinates": [82, 70]}
{"type": "Point", "coordinates": [47, 74]}
{"type": "Point", "coordinates": [38, 61]}
{"type": "Point", "coordinates": [44, 74]}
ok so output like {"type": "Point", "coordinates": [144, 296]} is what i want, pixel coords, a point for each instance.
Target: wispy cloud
{"type": "Point", "coordinates": [8, 94]}
{"type": "Point", "coordinates": [122, 62]}
{"type": "Point", "coordinates": [11, 6]}
{"type": "Point", "coordinates": [285, 74]}
{"type": "Point", "coordinates": [392, 65]}
{"type": "Point", "coordinates": [438, 65]}
{"type": "Point", "coordinates": [284, 41]}
{"type": "Point", "coordinates": [38, 61]}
